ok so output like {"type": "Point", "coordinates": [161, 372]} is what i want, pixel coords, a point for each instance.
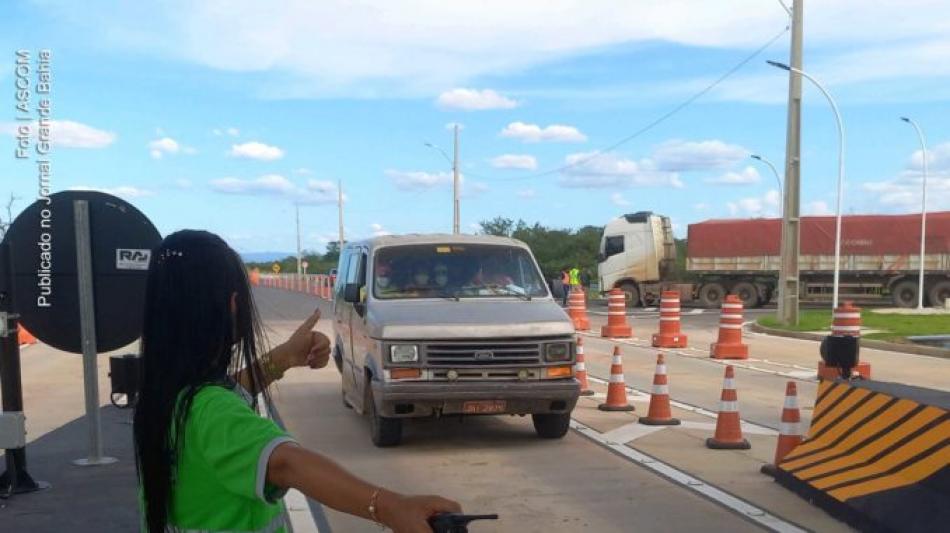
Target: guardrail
{"type": "Point", "coordinates": [319, 285]}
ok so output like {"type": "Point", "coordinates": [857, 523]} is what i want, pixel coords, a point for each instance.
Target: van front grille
{"type": "Point", "coordinates": [462, 353]}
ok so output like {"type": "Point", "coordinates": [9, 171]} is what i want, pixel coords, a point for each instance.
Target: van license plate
{"type": "Point", "coordinates": [484, 407]}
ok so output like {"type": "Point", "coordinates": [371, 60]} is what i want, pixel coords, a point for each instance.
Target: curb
{"type": "Point", "coordinates": [866, 343]}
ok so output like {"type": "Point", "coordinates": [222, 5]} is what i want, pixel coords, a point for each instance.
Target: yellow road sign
{"type": "Point", "coordinates": [276, 268]}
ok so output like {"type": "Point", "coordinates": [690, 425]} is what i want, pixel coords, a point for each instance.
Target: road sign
{"type": "Point", "coordinates": [45, 287]}
{"type": "Point", "coordinates": [276, 268]}
{"type": "Point", "coordinates": [305, 265]}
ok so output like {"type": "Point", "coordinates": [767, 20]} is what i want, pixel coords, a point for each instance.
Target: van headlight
{"type": "Point", "coordinates": [557, 352]}
{"type": "Point", "coordinates": [403, 353]}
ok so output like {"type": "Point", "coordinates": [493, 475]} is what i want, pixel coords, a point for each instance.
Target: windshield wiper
{"type": "Point", "coordinates": [523, 295]}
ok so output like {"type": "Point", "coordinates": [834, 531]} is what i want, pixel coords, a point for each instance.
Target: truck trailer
{"type": "Point", "coordinates": [880, 259]}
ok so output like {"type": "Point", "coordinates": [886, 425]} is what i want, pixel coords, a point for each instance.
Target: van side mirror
{"type": "Point", "coordinates": [351, 293]}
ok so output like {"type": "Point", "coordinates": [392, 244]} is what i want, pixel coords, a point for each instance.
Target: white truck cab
{"type": "Point", "coordinates": [636, 249]}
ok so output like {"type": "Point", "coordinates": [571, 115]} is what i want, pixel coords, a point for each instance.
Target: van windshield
{"type": "Point", "coordinates": [455, 271]}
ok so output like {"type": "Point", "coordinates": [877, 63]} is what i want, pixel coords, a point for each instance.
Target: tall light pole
{"type": "Point", "coordinates": [788, 285]}
{"type": "Point", "coordinates": [923, 210]}
{"type": "Point", "coordinates": [778, 180]}
{"type": "Point", "coordinates": [339, 206]}
{"type": "Point", "coordinates": [838, 123]}
{"type": "Point", "coordinates": [454, 161]}
{"type": "Point", "coordinates": [299, 257]}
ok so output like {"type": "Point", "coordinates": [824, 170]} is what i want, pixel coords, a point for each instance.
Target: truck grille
{"type": "Point", "coordinates": [456, 354]}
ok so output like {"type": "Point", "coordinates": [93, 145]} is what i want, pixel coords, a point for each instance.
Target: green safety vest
{"type": "Point", "coordinates": [220, 477]}
{"type": "Point", "coordinates": [575, 276]}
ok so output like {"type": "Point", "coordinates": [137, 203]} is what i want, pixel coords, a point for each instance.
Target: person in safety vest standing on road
{"type": "Point", "coordinates": [575, 276]}
{"type": "Point", "coordinates": [566, 286]}
{"type": "Point", "coordinates": [206, 460]}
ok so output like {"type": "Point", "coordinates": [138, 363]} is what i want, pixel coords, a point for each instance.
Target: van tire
{"type": "Point", "coordinates": [551, 425]}
{"type": "Point", "coordinates": [384, 432]}
{"type": "Point", "coordinates": [711, 295]}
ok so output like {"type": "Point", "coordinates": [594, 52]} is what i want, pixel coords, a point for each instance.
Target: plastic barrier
{"type": "Point", "coordinates": [877, 456]}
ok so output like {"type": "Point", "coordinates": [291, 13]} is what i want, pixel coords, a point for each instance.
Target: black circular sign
{"type": "Point", "coordinates": [42, 244]}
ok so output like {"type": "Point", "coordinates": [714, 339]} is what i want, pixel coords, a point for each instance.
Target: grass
{"type": "Point", "coordinates": [892, 327]}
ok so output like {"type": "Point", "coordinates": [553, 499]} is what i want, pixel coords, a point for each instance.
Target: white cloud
{"type": "Point", "coordinates": [474, 188]}
{"type": "Point", "coordinates": [474, 100]}
{"type": "Point", "coordinates": [66, 134]}
{"type": "Point", "coordinates": [128, 192]}
{"type": "Point", "coordinates": [302, 171]}
{"type": "Point", "coordinates": [256, 150]}
{"type": "Point", "coordinates": [938, 158]}
{"type": "Point", "coordinates": [526, 193]}
{"type": "Point", "coordinates": [379, 230]}
{"type": "Point", "coordinates": [183, 183]}
{"type": "Point", "coordinates": [315, 193]}
{"type": "Point", "coordinates": [534, 133]}
{"type": "Point", "coordinates": [766, 205]}
{"type": "Point", "coordinates": [166, 145]}
{"type": "Point", "coordinates": [818, 208]}
{"type": "Point", "coordinates": [903, 193]}
{"type": "Point", "coordinates": [233, 132]}
{"type": "Point", "coordinates": [678, 155]}
{"type": "Point", "coordinates": [418, 180]}
{"type": "Point", "coordinates": [618, 200]}
{"type": "Point", "coordinates": [748, 176]}
{"type": "Point", "coordinates": [519, 161]}
{"type": "Point", "coordinates": [593, 170]}
{"type": "Point", "coordinates": [701, 206]}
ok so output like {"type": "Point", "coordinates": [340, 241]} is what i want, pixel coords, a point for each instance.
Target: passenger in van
{"type": "Point", "coordinates": [384, 281]}
{"type": "Point", "coordinates": [420, 276]}
{"type": "Point", "coordinates": [206, 460]}
{"type": "Point", "coordinates": [441, 272]}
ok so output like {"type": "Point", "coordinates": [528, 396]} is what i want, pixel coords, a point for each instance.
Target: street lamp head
{"type": "Point", "coordinates": [905, 119]}
{"type": "Point", "coordinates": [777, 64]}
{"type": "Point", "coordinates": [429, 145]}
{"type": "Point", "coordinates": [756, 156]}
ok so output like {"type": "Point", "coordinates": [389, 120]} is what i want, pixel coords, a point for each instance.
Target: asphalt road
{"type": "Point", "coordinates": [496, 464]}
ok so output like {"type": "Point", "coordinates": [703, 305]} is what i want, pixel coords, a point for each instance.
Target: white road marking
{"type": "Point", "coordinates": [298, 510]}
{"type": "Point", "coordinates": [711, 426]}
{"type": "Point", "coordinates": [630, 432]}
{"type": "Point", "coordinates": [717, 495]}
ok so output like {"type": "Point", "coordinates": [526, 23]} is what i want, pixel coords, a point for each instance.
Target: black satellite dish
{"type": "Point", "coordinates": [44, 289]}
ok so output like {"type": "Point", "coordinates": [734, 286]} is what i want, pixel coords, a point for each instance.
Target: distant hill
{"type": "Point", "coordinates": [262, 257]}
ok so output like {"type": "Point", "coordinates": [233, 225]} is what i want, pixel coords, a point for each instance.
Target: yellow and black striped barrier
{"type": "Point", "coordinates": [877, 455]}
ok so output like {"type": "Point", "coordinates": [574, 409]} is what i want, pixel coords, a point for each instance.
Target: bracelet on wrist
{"type": "Point", "coordinates": [372, 507]}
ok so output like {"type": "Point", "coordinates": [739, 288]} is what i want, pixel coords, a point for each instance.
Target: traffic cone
{"type": "Point", "coordinates": [669, 335]}
{"type": "Point", "coordinates": [617, 389]}
{"type": "Point", "coordinates": [846, 320]}
{"type": "Point", "coordinates": [789, 432]}
{"type": "Point", "coordinates": [577, 310]}
{"type": "Point", "coordinates": [23, 336]}
{"type": "Point", "coordinates": [659, 413]}
{"type": "Point", "coordinates": [617, 326]}
{"type": "Point", "coordinates": [580, 369]}
{"type": "Point", "coordinates": [728, 434]}
{"type": "Point", "coordinates": [729, 345]}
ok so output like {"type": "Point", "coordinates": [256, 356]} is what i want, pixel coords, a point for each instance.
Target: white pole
{"type": "Point", "coordinates": [297, 215]}
{"type": "Point", "coordinates": [340, 209]}
{"type": "Point", "coordinates": [923, 209]}
{"type": "Point", "coordinates": [455, 184]}
{"type": "Point", "coordinates": [838, 123]}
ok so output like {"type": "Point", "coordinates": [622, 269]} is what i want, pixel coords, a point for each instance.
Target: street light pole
{"type": "Point", "coordinates": [339, 205]}
{"type": "Point", "coordinates": [778, 179]}
{"type": "Point", "coordinates": [840, 125]}
{"type": "Point", "coordinates": [455, 184]}
{"type": "Point", "coordinates": [923, 209]}
{"type": "Point", "coordinates": [781, 248]}
{"type": "Point", "coordinates": [297, 214]}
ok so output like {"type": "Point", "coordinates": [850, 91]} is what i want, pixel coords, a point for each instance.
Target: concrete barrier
{"type": "Point", "coordinates": [877, 455]}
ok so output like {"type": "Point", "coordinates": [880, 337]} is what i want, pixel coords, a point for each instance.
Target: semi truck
{"type": "Point", "coordinates": [879, 259]}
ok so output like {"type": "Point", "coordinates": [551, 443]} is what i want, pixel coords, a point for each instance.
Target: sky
{"type": "Point", "coordinates": [226, 115]}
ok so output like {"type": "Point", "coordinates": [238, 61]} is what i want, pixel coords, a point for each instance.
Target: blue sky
{"type": "Point", "coordinates": [222, 115]}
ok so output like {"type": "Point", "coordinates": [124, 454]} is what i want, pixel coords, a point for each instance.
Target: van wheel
{"type": "Point", "coordinates": [384, 432]}
{"type": "Point", "coordinates": [939, 293]}
{"type": "Point", "coordinates": [551, 425]}
{"type": "Point", "coordinates": [904, 294]}
{"type": "Point", "coordinates": [747, 293]}
{"type": "Point", "coordinates": [711, 295]}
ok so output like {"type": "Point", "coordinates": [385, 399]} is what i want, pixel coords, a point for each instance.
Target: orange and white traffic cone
{"type": "Point", "coordinates": [617, 326]}
{"type": "Point", "coordinates": [659, 413]}
{"type": "Point", "coordinates": [580, 369]}
{"type": "Point", "coordinates": [845, 320]}
{"type": "Point", "coordinates": [729, 345]}
{"type": "Point", "coordinates": [577, 310]}
{"type": "Point", "coordinates": [728, 434]}
{"type": "Point", "coordinates": [617, 389]}
{"type": "Point", "coordinates": [669, 335]}
{"type": "Point", "coordinates": [789, 431]}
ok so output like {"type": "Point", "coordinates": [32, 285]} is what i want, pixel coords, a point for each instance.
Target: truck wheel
{"type": "Point", "coordinates": [384, 432]}
{"type": "Point", "coordinates": [939, 293]}
{"type": "Point", "coordinates": [904, 294]}
{"type": "Point", "coordinates": [551, 425]}
{"type": "Point", "coordinates": [631, 292]}
{"type": "Point", "coordinates": [747, 293]}
{"type": "Point", "coordinates": [711, 295]}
